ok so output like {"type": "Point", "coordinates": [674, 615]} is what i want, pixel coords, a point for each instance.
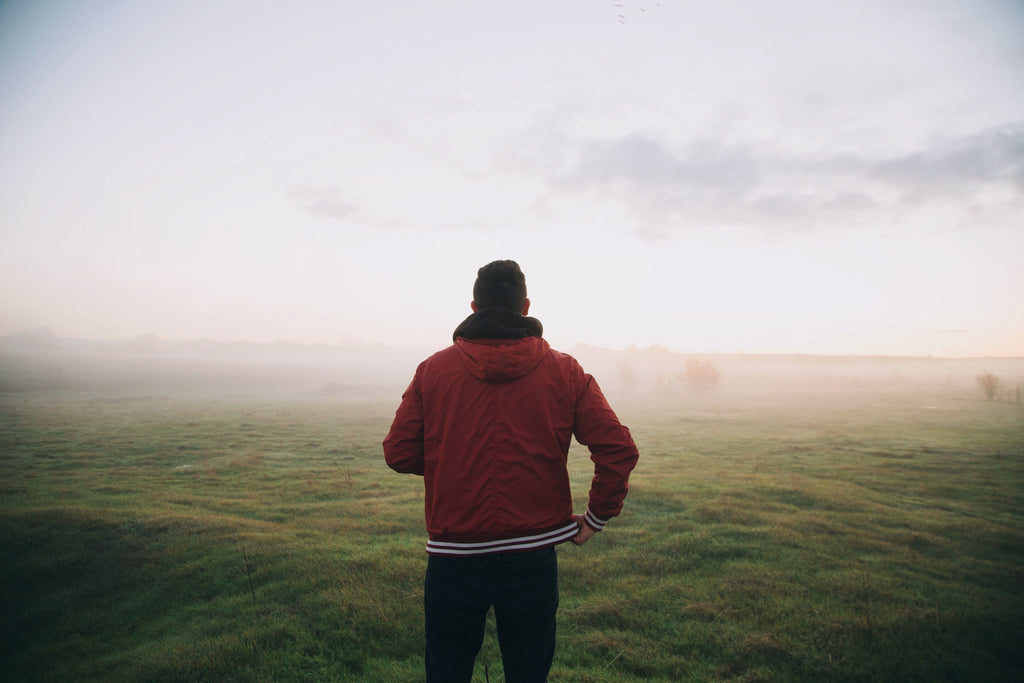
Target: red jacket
{"type": "Point", "coordinates": [488, 422]}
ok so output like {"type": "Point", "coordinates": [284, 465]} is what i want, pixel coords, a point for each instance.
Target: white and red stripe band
{"type": "Point", "coordinates": [595, 523]}
{"type": "Point", "coordinates": [532, 542]}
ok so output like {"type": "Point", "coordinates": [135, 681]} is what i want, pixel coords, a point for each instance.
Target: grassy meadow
{"type": "Point", "coordinates": [187, 526]}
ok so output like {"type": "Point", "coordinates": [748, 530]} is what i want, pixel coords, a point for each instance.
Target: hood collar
{"type": "Point", "coordinates": [497, 323]}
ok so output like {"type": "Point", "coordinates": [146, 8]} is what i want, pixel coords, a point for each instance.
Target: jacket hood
{"type": "Point", "coordinates": [497, 345]}
{"type": "Point", "coordinates": [498, 323]}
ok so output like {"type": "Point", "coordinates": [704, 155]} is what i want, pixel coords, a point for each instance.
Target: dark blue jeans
{"type": "Point", "coordinates": [458, 591]}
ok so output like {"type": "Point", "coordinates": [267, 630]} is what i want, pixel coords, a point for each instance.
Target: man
{"type": "Point", "coordinates": [487, 422]}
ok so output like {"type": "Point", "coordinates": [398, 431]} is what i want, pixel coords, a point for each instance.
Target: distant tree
{"type": "Point", "coordinates": [700, 374]}
{"type": "Point", "coordinates": [627, 375]}
{"type": "Point", "coordinates": [39, 337]}
{"type": "Point", "coordinates": [989, 384]}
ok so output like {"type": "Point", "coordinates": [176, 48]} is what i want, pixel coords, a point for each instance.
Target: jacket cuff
{"type": "Point", "coordinates": [594, 522]}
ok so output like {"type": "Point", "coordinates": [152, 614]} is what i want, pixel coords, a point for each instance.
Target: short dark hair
{"type": "Point", "coordinates": [500, 284]}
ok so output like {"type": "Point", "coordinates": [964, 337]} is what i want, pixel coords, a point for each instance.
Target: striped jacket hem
{"type": "Point", "coordinates": [531, 542]}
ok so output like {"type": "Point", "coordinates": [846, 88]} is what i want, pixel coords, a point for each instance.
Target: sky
{"type": "Point", "coordinates": [795, 176]}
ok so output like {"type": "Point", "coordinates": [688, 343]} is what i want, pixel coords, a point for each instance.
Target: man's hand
{"type": "Point", "coordinates": [585, 531]}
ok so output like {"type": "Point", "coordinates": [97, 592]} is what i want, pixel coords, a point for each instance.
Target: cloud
{"type": "Point", "coordinates": [327, 202]}
{"type": "Point", "coordinates": [659, 188]}
{"type": "Point", "coordinates": [333, 204]}
{"type": "Point", "coordinates": [712, 183]}
{"type": "Point", "coordinates": [990, 157]}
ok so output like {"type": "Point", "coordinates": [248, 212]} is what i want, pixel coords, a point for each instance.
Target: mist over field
{"type": "Point", "coordinates": [146, 366]}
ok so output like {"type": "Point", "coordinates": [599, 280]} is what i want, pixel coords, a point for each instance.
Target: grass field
{"type": "Point", "coordinates": [153, 531]}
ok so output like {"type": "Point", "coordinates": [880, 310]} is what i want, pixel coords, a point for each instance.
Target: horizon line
{"type": "Point", "coordinates": [33, 340]}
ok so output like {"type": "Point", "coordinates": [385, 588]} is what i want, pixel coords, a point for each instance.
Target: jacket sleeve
{"type": "Point", "coordinates": [611, 449]}
{"type": "Point", "coordinates": [403, 446]}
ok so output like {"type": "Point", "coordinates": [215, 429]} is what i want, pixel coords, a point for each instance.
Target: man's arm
{"type": "Point", "coordinates": [613, 453]}
{"type": "Point", "coordinates": [403, 446]}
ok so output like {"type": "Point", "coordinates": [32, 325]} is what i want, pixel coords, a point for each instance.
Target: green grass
{"type": "Point", "coordinates": [856, 536]}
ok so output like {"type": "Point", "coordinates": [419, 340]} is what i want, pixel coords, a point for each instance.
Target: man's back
{"type": "Point", "coordinates": [488, 422]}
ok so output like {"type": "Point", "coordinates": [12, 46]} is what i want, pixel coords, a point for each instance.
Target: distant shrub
{"type": "Point", "coordinates": [700, 374]}
{"type": "Point", "coordinates": [145, 342]}
{"type": "Point", "coordinates": [989, 384]}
